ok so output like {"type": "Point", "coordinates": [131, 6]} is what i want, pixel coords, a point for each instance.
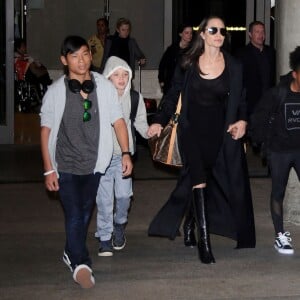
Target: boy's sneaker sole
{"type": "Point", "coordinates": [106, 248]}
{"type": "Point", "coordinates": [283, 251]}
{"type": "Point", "coordinates": [105, 253]}
{"type": "Point", "coordinates": [83, 275]}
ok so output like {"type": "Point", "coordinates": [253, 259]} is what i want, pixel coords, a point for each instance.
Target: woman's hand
{"type": "Point", "coordinates": [154, 129]}
{"type": "Point", "coordinates": [237, 130]}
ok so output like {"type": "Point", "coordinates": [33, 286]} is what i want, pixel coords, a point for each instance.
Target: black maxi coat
{"type": "Point", "coordinates": [229, 199]}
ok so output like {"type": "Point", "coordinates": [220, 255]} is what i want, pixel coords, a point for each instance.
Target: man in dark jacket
{"type": "Point", "coordinates": [122, 45]}
{"type": "Point", "coordinates": [276, 123]}
{"type": "Point", "coordinates": [258, 62]}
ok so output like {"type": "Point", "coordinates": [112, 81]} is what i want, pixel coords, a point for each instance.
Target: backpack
{"type": "Point", "coordinates": [134, 96]}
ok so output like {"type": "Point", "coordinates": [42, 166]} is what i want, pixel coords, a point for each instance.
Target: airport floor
{"type": "Point", "coordinates": [32, 241]}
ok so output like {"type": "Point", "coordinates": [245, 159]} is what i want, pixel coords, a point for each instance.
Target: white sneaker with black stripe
{"type": "Point", "coordinates": [282, 243]}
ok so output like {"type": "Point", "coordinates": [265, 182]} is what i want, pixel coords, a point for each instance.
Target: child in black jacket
{"type": "Point", "coordinates": [276, 124]}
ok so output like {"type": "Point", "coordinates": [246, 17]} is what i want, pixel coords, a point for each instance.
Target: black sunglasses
{"type": "Point", "coordinates": [214, 30]}
{"type": "Point", "coordinates": [87, 104]}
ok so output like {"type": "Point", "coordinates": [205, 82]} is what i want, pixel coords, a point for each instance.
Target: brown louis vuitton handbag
{"type": "Point", "coordinates": [164, 149]}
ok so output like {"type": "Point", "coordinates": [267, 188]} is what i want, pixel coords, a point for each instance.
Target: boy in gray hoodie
{"type": "Point", "coordinates": [79, 113]}
{"type": "Point", "coordinates": [115, 190]}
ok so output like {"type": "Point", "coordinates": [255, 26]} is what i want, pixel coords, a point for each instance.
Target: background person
{"type": "Point", "coordinates": [122, 45]}
{"type": "Point", "coordinates": [259, 66]}
{"type": "Point", "coordinates": [173, 55]}
{"type": "Point", "coordinates": [97, 42]}
{"type": "Point", "coordinates": [29, 69]}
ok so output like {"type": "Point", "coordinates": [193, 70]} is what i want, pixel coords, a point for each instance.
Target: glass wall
{"type": "Point", "coordinates": [6, 72]}
{"type": "Point", "coordinates": [2, 63]}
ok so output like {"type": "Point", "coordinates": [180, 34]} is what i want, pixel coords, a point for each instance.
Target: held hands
{"type": "Point", "coordinates": [154, 129]}
{"type": "Point", "coordinates": [237, 130]}
{"type": "Point", "coordinates": [127, 165]}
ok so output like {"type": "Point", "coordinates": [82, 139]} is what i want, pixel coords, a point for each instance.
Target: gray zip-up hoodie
{"type": "Point", "coordinates": [109, 112]}
{"type": "Point", "coordinates": [140, 123]}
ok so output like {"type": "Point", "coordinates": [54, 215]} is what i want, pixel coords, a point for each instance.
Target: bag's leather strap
{"type": "Point", "coordinates": [172, 140]}
{"type": "Point", "coordinates": [178, 105]}
{"type": "Point", "coordinates": [173, 134]}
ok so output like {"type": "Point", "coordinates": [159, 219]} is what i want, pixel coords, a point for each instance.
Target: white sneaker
{"type": "Point", "coordinates": [83, 275]}
{"type": "Point", "coordinates": [282, 243]}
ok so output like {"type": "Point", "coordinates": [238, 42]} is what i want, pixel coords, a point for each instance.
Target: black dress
{"type": "Point", "coordinates": [206, 114]}
{"type": "Point", "coordinates": [230, 209]}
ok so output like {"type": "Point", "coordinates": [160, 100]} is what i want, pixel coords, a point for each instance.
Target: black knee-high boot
{"type": "Point", "coordinates": [204, 248]}
{"type": "Point", "coordinates": [189, 228]}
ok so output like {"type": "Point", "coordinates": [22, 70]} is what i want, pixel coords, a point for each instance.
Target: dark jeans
{"type": "Point", "coordinates": [78, 196]}
{"type": "Point", "coordinates": [280, 165]}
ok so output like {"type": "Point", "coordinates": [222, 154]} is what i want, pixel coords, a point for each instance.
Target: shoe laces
{"type": "Point", "coordinates": [284, 238]}
{"type": "Point", "coordinates": [66, 257]}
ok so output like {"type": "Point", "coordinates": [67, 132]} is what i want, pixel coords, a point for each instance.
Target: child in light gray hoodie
{"type": "Point", "coordinates": [115, 190]}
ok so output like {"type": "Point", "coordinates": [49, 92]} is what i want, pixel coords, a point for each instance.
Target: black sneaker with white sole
{"type": "Point", "coordinates": [119, 238]}
{"type": "Point", "coordinates": [106, 248]}
{"type": "Point", "coordinates": [282, 243]}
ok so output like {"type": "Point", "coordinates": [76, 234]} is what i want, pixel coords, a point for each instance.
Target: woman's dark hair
{"type": "Point", "coordinates": [71, 44]}
{"type": "Point", "coordinates": [197, 48]}
{"type": "Point", "coordinates": [295, 59]}
{"type": "Point", "coordinates": [182, 26]}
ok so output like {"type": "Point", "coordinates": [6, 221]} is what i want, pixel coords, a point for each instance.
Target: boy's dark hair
{"type": "Point", "coordinates": [71, 44]}
{"type": "Point", "coordinates": [254, 23]}
{"type": "Point", "coordinates": [295, 59]}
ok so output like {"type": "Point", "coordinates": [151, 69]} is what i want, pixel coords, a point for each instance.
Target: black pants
{"type": "Point", "coordinates": [280, 165]}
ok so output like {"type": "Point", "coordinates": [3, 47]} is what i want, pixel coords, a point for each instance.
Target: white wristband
{"type": "Point", "coordinates": [49, 172]}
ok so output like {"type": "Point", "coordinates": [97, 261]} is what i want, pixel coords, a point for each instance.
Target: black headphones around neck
{"type": "Point", "coordinates": [75, 86]}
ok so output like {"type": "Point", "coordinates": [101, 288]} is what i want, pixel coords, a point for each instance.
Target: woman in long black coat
{"type": "Point", "coordinates": [211, 125]}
